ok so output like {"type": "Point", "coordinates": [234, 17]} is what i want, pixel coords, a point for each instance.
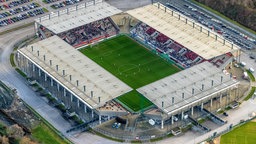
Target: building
{"type": "Point", "coordinates": [178, 94]}
{"type": "Point", "coordinates": [79, 25]}
{"type": "Point", "coordinates": [87, 90]}
{"type": "Point", "coordinates": [71, 78]}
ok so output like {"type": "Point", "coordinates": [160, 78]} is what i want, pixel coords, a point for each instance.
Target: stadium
{"type": "Point", "coordinates": [166, 69]}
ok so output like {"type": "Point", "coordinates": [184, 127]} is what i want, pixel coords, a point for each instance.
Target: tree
{"type": "Point", "coordinates": [15, 131]}
{"type": "Point", "coordinates": [4, 140]}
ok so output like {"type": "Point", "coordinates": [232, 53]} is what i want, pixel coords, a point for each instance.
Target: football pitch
{"type": "Point", "coordinates": [245, 134]}
{"type": "Point", "coordinates": [131, 63]}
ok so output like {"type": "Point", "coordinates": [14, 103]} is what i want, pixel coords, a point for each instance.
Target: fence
{"type": "Point", "coordinates": [230, 128]}
{"type": "Point", "coordinates": [128, 138]}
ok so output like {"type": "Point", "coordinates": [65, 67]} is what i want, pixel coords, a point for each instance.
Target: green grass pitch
{"type": "Point", "coordinates": [245, 134]}
{"type": "Point", "coordinates": [135, 101]}
{"type": "Point", "coordinates": [131, 63]}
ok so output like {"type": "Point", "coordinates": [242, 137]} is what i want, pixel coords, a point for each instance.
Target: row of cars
{"type": "Point", "coordinates": [19, 10]}
{"type": "Point", "coordinates": [4, 0]}
{"type": "Point", "coordinates": [65, 3]}
{"type": "Point", "coordinates": [13, 4]}
{"type": "Point", "coordinates": [22, 16]}
{"type": "Point", "coordinates": [116, 125]}
{"type": "Point", "coordinates": [50, 1]}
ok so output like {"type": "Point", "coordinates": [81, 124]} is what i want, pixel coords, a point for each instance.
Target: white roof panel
{"type": "Point", "coordinates": [74, 17]}
{"type": "Point", "coordinates": [180, 29]}
{"type": "Point", "coordinates": [197, 79]}
{"type": "Point", "coordinates": [81, 68]}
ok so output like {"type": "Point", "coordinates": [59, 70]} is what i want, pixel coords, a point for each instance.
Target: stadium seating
{"type": "Point", "coordinates": [163, 44]}
{"type": "Point", "coordinates": [222, 60]}
{"type": "Point", "coordinates": [85, 34]}
{"type": "Point", "coordinates": [90, 33]}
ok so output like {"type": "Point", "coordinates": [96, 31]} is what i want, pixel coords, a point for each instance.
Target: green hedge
{"type": "Point", "coordinates": [21, 72]}
{"type": "Point", "coordinates": [250, 94]}
{"type": "Point", "coordinates": [12, 60]}
{"type": "Point", "coordinates": [251, 75]}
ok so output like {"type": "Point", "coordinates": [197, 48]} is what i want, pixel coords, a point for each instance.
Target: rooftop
{"type": "Point", "coordinates": [77, 16]}
{"type": "Point", "coordinates": [61, 61]}
{"type": "Point", "coordinates": [185, 31]}
{"type": "Point", "coordinates": [187, 87]}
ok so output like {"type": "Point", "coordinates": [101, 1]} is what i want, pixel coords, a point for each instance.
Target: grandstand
{"type": "Point", "coordinates": [54, 63]}
{"type": "Point", "coordinates": [183, 40]}
{"type": "Point", "coordinates": [188, 88]}
{"type": "Point", "coordinates": [80, 25]}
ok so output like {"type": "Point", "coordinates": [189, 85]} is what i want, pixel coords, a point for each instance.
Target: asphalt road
{"type": "Point", "coordinates": [9, 76]}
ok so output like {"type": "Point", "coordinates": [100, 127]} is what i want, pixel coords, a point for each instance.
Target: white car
{"type": "Point", "coordinates": [236, 65]}
{"type": "Point", "coordinates": [243, 64]}
{"type": "Point", "coordinates": [251, 70]}
{"type": "Point", "coordinates": [175, 118]}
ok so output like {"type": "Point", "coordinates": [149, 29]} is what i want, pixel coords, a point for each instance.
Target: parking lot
{"type": "Point", "coordinates": [20, 12]}
{"type": "Point", "coordinates": [17, 10]}
{"type": "Point", "coordinates": [194, 12]}
{"type": "Point", "coordinates": [61, 4]}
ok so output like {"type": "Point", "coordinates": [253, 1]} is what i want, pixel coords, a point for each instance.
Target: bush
{"type": "Point", "coordinates": [21, 72]}
{"type": "Point", "coordinates": [2, 130]}
{"type": "Point", "coordinates": [250, 94]}
{"type": "Point", "coordinates": [250, 75]}
{"type": "Point", "coordinates": [12, 60]}
{"type": "Point", "coordinates": [77, 119]}
{"type": "Point", "coordinates": [61, 107]}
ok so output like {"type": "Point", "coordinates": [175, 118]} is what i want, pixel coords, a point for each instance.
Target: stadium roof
{"type": "Point", "coordinates": [75, 18]}
{"type": "Point", "coordinates": [170, 25]}
{"type": "Point", "coordinates": [81, 68]}
{"type": "Point", "coordinates": [171, 89]}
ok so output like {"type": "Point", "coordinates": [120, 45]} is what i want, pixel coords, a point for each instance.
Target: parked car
{"type": "Point", "coordinates": [225, 114]}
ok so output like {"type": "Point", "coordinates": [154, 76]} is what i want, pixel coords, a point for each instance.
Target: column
{"type": "Point", "coordinates": [192, 111]}
{"type": "Point", "coordinates": [78, 105]}
{"type": "Point", "coordinates": [220, 98]}
{"type": "Point", "coordinates": [35, 26]}
{"type": "Point", "coordinates": [108, 117]}
{"type": "Point", "coordinates": [58, 86]}
{"type": "Point", "coordinates": [33, 67]}
{"type": "Point", "coordinates": [162, 124]}
{"type": "Point", "coordinates": [202, 106]}
{"type": "Point", "coordinates": [51, 82]}
{"type": "Point", "coordinates": [172, 119]}
{"type": "Point", "coordinates": [45, 77]}
{"type": "Point", "coordinates": [100, 119]}
{"type": "Point", "coordinates": [64, 93]}
{"type": "Point", "coordinates": [92, 114]}
{"type": "Point", "coordinates": [182, 115]}
{"type": "Point", "coordinates": [85, 109]}
{"type": "Point", "coordinates": [71, 97]}
{"type": "Point", "coordinates": [39, 72]}
{"type": "Point", "coordinates": [211, 102]}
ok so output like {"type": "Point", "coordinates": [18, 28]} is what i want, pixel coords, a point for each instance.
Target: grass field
{"type": "Point", "coordinates": [131, 63]}
{"type": "Point", "coordinates": [135, 101]}
{"type": "Point", "coordinates": [245, 134]}
{"type": "Point", "coordinates": [45, 135]}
